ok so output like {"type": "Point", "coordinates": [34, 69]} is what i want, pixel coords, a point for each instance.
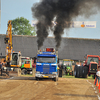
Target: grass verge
{"type": "Point", "coordinates": [69, 76]}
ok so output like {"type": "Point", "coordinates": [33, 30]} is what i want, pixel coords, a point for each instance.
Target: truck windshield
{"type": "Point", "coordinates": [92, 59]}
{"type": "Point", "coordinates": [67, 63]}
{"type": "Point", "coordinates": [14, 58]}
{"type": "Point", "coordinates": [23, 60]}
{"type": "Point", "coordinates": [46, 59]}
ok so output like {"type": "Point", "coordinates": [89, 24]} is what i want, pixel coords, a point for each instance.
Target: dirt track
{"type": "Point", "coordinates": [64, 89]}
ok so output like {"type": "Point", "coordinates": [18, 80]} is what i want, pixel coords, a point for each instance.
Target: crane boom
{"type": "Point", "coordinates": [8, 42]}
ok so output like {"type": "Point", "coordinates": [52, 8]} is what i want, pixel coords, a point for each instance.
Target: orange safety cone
{"type": "Point", "coordinates": [97, 83]}
{"type": "Point", "coordinates": [99, 86]}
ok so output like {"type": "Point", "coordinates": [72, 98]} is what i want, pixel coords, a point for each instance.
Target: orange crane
{"type": "Point", "coordinates": [8, 42]}
{"type": "Point", "coordinates": [13, 59]}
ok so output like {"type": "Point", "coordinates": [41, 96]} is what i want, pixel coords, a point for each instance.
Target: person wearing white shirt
{"type": "Point", "coordinates": [98, 75]}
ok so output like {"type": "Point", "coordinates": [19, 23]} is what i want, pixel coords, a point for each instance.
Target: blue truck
{"type": "Point", "coordinates": [46, 65]}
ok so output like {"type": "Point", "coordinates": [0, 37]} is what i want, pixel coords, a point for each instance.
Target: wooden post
{"type": "Point", "coordinates": [18, 71]}
{"type": "Point", "coordinates": [1, 71]}
{"type": "Point", "coordinates": [33, 72]}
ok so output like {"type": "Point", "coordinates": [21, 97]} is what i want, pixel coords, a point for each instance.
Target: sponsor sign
{"type": "Point", "coordinates": [82, 24]}
{"type": "Point", "coordinates": [73, 24]}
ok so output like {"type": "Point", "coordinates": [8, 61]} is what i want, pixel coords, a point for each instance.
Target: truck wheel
{"type": "Point", "coordinates": [23, 71]}
{"type": "Point", "coordinates": [89, 74]}
{"type": "Point", "coordinates": [37, 78]}
{"type": "Point", "coordinates": [55, 79]}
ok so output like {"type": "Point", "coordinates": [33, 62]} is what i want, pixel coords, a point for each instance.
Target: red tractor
{"type": "Point", "coordinates": [92, 63]}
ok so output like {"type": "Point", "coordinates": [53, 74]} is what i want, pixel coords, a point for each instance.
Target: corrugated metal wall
{"type": "Point", "coordinates": [70, 48]}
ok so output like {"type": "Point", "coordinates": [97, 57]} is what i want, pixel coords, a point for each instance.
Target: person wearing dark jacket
{"type": "Point", "coordinates": [0, 65]}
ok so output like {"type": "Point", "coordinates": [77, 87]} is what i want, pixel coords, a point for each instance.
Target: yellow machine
{"type": "Point", "coordinates": [13, 59]}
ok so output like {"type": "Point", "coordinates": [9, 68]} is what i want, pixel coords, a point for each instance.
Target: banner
{"type": "Point", "coordinates": [82, 24]}
{"type": "Point", "coordinates": [73, 24]}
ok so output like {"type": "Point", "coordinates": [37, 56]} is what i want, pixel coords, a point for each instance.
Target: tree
{"type": "Point", "coordinates": [21, 26]}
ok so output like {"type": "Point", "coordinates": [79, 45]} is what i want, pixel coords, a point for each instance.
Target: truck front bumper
{"type": "Point", "coordinates": [46, 75]}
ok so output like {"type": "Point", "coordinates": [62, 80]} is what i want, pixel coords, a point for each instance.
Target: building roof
{"type": "Point", "coordinates": [70, 48]}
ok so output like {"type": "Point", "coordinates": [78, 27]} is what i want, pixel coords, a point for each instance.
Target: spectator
{"type": "Point", "coordinates": [98, 75]}
{"type": "Point", "coordinates": [22, 62]}
{"type": "Point", "coordinates": [0, 65]}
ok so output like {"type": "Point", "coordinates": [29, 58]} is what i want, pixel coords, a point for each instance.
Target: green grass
{"type": "Point", "coordinates": [69, 76]}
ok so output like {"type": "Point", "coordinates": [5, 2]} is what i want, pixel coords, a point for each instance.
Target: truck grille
{"type": "Point", "coordinates": [46, 69]}
{"type": "Point", "coordinates": [93, 67]}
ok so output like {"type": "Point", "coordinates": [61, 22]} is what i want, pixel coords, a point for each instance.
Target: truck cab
{"type": "Point", "coordinates": [15, 60]}
{"type": "Point", "coordinates": [92, 62]}
{"type": "Point", "coordinates": [46, 65]}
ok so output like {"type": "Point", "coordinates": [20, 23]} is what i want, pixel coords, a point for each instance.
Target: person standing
{"type": "Point", "coordinates": [0, 65]}
{"type": "Point", "coordinates": [34, 67]}
{"type": "Point", "coordinates": [98, 75]}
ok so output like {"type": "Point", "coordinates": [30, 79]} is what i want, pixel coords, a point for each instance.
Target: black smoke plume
{"type": "Point", "coordinates": [61, 10]}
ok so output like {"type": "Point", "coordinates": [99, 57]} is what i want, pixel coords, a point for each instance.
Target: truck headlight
{"type": "Point", "coordinates": [37, 72]}
{"type": "Point", "coordinates": [54, 72]}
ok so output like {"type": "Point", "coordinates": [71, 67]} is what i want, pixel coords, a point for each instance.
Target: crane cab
{"type": "Point", "coordinates": [16, 59]}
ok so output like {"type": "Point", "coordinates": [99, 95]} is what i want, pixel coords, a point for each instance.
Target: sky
{"type": "Point", "coordinates": [12, 9]}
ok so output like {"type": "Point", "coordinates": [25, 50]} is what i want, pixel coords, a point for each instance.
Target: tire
{"type": "Point", "coordinates": [23, 71]}
{"type": "Point", "coordinates": [37, 78]}
{"type": "Point", "coordinates": [28, 72]}
{"type": "Point", "coordinates": [89, 74]}
{"type": "Point", "coordinates": [75, 71]}
{"type": "Point", "coordinates": [80, 71]}
{"type": "Point", "coordinates": [85, 72]}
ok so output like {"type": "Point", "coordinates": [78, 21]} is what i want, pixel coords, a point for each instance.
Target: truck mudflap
{"type": "Point", "coordinates": [46, 75]}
